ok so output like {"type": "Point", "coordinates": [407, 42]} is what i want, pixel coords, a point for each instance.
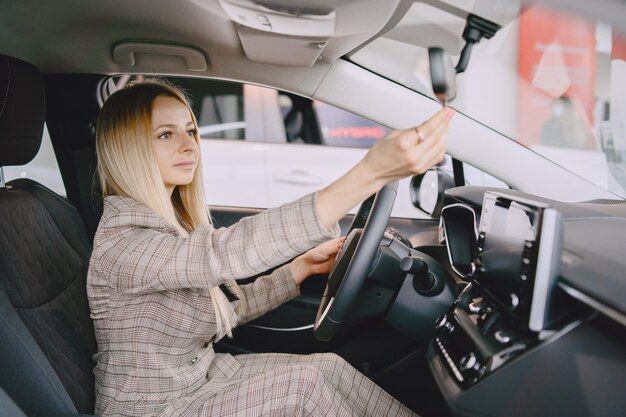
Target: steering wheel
{"type": "Point", "coordinates": [354, 261]}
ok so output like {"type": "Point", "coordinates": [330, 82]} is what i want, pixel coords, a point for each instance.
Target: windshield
{"type": "Point", "coordinates": [553, 82]}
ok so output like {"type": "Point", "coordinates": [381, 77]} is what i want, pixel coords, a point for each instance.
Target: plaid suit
{"type": "Point", "coordinates": [155, 324]}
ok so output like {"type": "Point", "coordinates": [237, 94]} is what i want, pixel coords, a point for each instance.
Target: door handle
{"type": "Point", "coordinates": [297, 177]}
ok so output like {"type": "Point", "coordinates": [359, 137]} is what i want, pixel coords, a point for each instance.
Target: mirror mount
{"type": "Point", "coordinates": [442, 72]}
{"type": "Point", "coordinates": [476, 28]}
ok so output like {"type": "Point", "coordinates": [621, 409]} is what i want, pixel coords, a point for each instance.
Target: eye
{"type": "Point", "coordinates": [165, 135]}
{"type": "Point", "coordinates": [191, 132]}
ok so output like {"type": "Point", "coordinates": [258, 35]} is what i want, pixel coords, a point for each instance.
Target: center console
{"type": "Point", "coordinates": [515, 342]}
{"type": "Point", "coordinates": [509, 305]}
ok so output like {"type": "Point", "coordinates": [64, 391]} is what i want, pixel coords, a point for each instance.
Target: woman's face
{"type": "Point", "coordinates": [176, 149]}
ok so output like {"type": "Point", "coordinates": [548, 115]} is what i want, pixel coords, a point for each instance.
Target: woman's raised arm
{"type": "Point", "coordinates": [402, 153]}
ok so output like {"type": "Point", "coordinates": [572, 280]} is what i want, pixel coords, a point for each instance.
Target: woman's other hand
{"type": "Point", "coordinates": [402, 153]}
{"type": "Point", "coordinates": [319, 260]}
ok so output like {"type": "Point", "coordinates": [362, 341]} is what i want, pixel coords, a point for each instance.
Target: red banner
{"type": "Point", "coordinates": [557, 65]}
{"type": "Point", "coordinates": [618, 50]}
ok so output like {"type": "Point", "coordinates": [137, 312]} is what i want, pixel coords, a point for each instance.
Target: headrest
{"type": "Point", "coordinates": [22, 112]}
{"type": "Point", "coordinates": [293, 124]}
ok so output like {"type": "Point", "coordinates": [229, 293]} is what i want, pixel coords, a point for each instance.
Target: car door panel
{"type": "Point", "coordinates": [226, 183]}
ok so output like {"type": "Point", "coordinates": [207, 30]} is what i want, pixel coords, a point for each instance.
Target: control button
{"type": "Point", "coordinates": [441, 321]}
{"type": "Point", "coordinates": [194, 360]}
{"type": "Point", "coordinates": [468, 362]}
{"type": "Point", "coordinates": [477, 307]}
{"type": "Point", "coordinates": [524, 269]}
{"type": "Point", "coordinates": [502, 337]}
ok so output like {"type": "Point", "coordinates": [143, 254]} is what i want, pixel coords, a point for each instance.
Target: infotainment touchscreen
{"type": "Point", "coordinates": [519, 252]}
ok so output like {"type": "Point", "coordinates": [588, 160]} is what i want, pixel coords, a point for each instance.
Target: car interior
{"type": "Point", "coordinates": [492, 301]}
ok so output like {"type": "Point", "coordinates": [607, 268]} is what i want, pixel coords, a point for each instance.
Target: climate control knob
{"type": "Point", "coordinates": [468, 362]}
{"type": "Point", "coordinates": [441, 322]}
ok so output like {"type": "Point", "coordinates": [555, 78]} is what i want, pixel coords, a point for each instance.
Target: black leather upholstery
{"type": "Point", "coordinates": [21, 111]}
{"type": "Point", "coordinates": [44, 255]}
{"type": "Point", "coordinates": [8, 407]}
{"type": "Point", "coordinates": [26, 373]}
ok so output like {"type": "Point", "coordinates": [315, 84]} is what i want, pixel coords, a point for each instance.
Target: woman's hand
{"type": "Point", "coordinates": [402, 153]}
{"type": "Point", "coordinates": [409, 152]}
{"type": "Point", "coordinates": [319, 260]}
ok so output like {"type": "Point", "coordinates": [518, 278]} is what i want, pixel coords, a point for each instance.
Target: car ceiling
{"type": "Point", "coordinates": [79, 36]}
{"type": "Point", "coordinates": [75, 36]}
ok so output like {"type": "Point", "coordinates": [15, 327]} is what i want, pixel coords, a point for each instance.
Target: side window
{"type": "Point", "coordinates": [342, 128]}
{"type": "Point", "coordinates": [318, 123]}
{"type": "Point", "coordinates": [43, 168]}
{"type": "Point", "coordinates": [475, 176]}
{"type": "Point", "coordinates": [219, 107]}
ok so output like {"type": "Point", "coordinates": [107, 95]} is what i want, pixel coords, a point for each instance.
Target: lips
{"type": "Point", "coordinates": [185, 165]}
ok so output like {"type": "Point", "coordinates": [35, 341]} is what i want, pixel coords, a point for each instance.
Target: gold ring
{"type": "Point", "coordinates": [420, 135]}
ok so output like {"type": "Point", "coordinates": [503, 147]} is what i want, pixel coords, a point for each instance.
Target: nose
{"type": "Point", "coordinates": [188, 144]}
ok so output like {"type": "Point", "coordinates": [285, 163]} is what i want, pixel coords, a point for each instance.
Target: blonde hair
{"type": "Point", "coordinates": [127, 166]}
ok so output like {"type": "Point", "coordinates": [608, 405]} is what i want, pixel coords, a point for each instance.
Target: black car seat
{"type": "Point", "coordinates": [47, 341]}
{"type": "Point", "coordinates": [301, 124]}
{"type": "Point", "coordinates": [8, 406]}
{"type": "Point", "coordinates": [293, 125]}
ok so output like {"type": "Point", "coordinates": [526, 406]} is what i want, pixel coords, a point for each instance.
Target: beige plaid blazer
{"type": "Point", "coordinates": [148, 293]}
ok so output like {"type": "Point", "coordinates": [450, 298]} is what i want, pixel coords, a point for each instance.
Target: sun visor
{"type": "Point", "coordinates": [271, 48]}
{"type": "Point", "coordinates": [282, 32]}
{"type": "Point", "coordinates": [282, 17]}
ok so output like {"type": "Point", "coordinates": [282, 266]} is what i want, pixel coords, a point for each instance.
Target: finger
{"type": "Point", "coordinates": [393, 134]}
{"type": "Point", "coordinates": [442, 117]}
{"type": "Point", "coordinates": [331, 247]}
{"type": "Point", "coordinates": [424, 132]}
{"type": "Point", "coordinates": [433, 154]}
{"type": "Point", "coordinates": [336, 242]}
{"type": "Point", "coordinates": [437, 139]}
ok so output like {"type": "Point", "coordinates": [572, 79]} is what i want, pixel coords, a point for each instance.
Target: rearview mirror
{"type": "Point", "coordinates": [442, 75]}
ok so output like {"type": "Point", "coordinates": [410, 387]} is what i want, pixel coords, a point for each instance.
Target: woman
{"type": "Point", "coordinates": [161, 280]}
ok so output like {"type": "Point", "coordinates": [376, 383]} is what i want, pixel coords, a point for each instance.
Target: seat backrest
{"type": "Point", "coordinates": [8, 406]}
{"type": "Point", "coordinates": [293, 125]}
{"type": "Point", "coordinates": [44, 255]}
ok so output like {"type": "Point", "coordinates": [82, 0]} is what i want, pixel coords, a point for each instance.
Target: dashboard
{"type": "Point", "coordinates": [540, 328]}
